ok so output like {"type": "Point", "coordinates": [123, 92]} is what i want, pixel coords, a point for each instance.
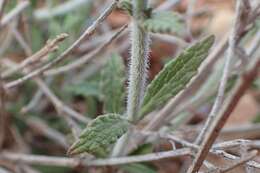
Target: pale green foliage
{"type": "Point", "coordinates": [99, 135]}
{"type": "Point", "coordinates": [163, 22]}
{"type": "Point", "coordinates": [112, 85]}
{"type": "Point", "coordinates": [175, 75]}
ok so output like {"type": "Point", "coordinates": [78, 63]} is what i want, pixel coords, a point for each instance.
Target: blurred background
{"type": "Point", "coordinates": [32, 118]}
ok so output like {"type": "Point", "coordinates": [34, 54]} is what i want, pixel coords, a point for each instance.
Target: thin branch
{"type": "Point", "coordinates": [89, 31]}
{"type": "Point", "coordinates": [14, 12]}
{"type": "Point", "coordinates": [81, 61]}
{"type": "Point", "coordinates": [171, 39]}
{"type": "Point", "coordinates": [143, 158]}
{"type": "Point", "coordinates": [50, 46]}
{"type": "Point", "coordinates": [61, 108]}
{"type": "Point", "coordinates": [217, 149]}
{"type": "Point", "coordinates": [228, 65]}
{"type": "Point", "coordinates": [73, 162]}
{"type": "Point", "coordinates": [241, 131]}
{"type": "Point", "coordinates": [224, 154]}
{"type": "Point", "coordinates": [66, 7]}
{"type": "Point", "coordinates": [40, 160]}
{"type": "Point", "coordinates": [99, 39]}
{"type": "Point", "coordinates": [241, 86]}
{"type": "Point", "coordinates": [240, 162]}
{"type": "Point", "coordinates": [231, 144]}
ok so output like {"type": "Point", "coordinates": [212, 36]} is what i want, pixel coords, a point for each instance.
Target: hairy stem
{"type": "Point", "coordinates": [137, 73]}
{"type": "Point", "coordinates": [138, 62]}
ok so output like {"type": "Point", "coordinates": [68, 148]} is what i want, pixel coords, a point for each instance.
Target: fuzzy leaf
{"type": "Point", "coordinates": [112, 85]}
{"type": "Point", "coordinates": [99, 135]}
{"type": "Point", "coordinates": [175, 75]}
{"type": "Point", "coordinates": [163, 22]}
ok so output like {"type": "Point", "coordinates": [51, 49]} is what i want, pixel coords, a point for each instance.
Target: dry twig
{"type": "Point", "coordinates": [73, 162]}
{"type": "Point", "coordinates": [233, 39]}
{"type": "Point", "coordinates": [90, 30]}
{"type": "Point", "coordinates": [217, 149]}
{"type": "Point", "coordinates": [218, 118]}
{"type": "Point", "coordinates": [14, 12]}
{"type": "Point", "coordinates": [212, 133]}
{"type": "Point", "coordinates": [50, 46]}
{"type": "Point", "coordinates": [246, 158]}
{"type": "Point", "coordinates": [81, 61]}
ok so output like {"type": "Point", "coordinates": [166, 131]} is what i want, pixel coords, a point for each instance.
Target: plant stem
{"type": "Point", "coordinates": [138, 72]}
{"type": "Point", "coordinates": [138, 62]}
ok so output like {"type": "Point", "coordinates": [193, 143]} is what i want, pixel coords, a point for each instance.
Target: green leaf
{"type": "Point", "coordinates": [163, 22]}
{"type": "Point", "coordinates": [138, 168]}
{"type": "Point", "coordinates": [112, 85]}
{"type": "Point", "coordinates": [175, 75]}
{"type": "Point", "coordinates": [97, 137]}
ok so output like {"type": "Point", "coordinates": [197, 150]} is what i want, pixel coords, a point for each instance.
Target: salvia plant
{"type": "Point", "coordinates": [102, 133]}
